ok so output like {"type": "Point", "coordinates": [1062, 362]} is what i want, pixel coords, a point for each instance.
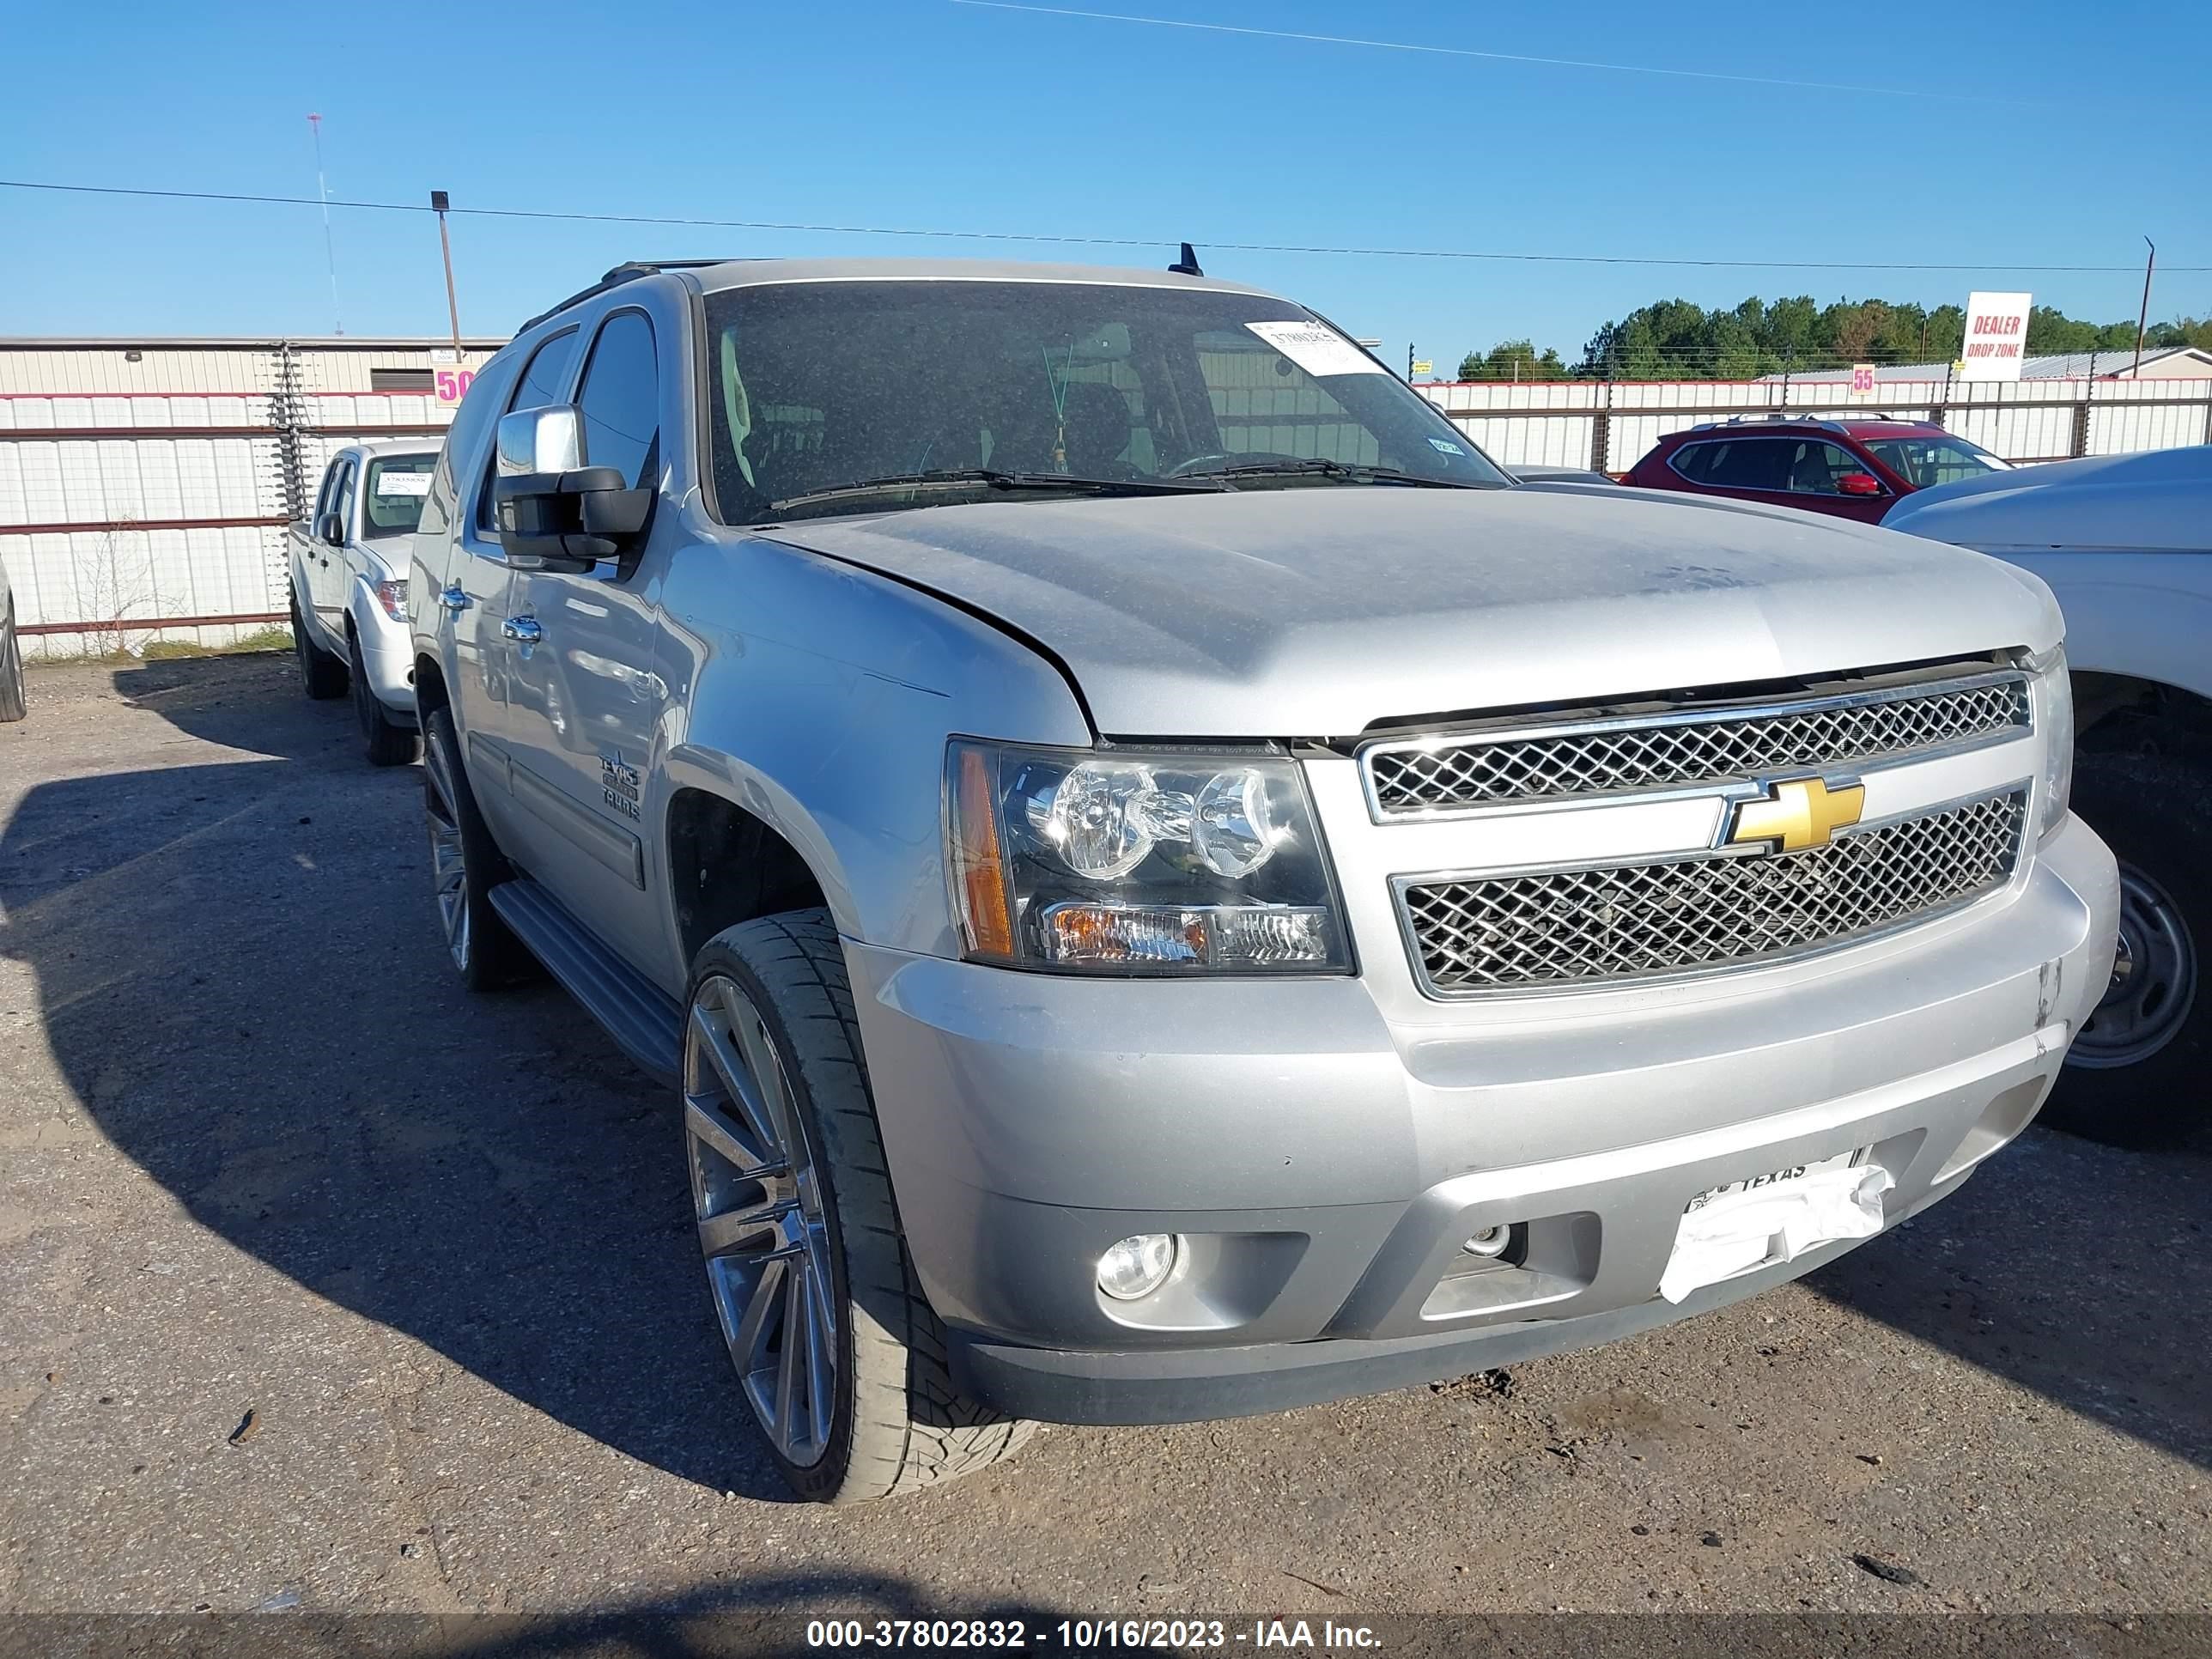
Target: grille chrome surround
{"type": "Point", "coordinates": [1452, 775]}
{"type": "Point", "coordinates": [1617, 924]}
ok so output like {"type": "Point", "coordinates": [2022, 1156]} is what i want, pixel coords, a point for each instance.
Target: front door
{"type": "Point", "coordinates": [479, 602]}
{"type": "Point", "coordinates": [587, 699]}
{"type": "Point", "coordinates": [327, 568]}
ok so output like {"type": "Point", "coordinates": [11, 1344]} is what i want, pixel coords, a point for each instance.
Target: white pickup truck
{"type": "Point", "coordinates": [349, 560]}
{"type": "Point", "coordinates": [2125, 542]}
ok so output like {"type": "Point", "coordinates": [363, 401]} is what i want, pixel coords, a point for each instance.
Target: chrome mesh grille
{"type": "Point", "coordinates": [1638, 921]}
{"type": "Point", "coordinates": [1429, 776]}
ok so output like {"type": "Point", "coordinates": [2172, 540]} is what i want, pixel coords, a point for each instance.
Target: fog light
{"type": "Point", "coordinates": [1490, 1241]}
{"type": "Point", "coordinates": [1137, 1265]}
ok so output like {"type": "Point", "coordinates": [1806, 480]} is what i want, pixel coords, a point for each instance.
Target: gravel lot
{"type": "Point", "coordinates": [324, 1283]}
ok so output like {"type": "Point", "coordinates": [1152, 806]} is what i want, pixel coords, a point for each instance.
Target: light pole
{"type": "Point", "coordinates": [330, 248]}
{"type": "Point", "coordinates": [2142, 317]}
{"type": "Point", "coordinates": [439, 204]}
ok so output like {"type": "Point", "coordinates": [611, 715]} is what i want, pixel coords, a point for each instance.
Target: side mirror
{"type": "Point", "coordinates": [1858, 484]}
{"type": "Point", "coordinates": [330, 530]}
{"type": "Point", "coordinates": [540, 440]}
{"type": "Point", "coordinates": [552, 511]}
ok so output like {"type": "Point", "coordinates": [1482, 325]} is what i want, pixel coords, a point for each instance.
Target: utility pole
{"type": "Point", "coordinates": [440, 202]}
{"type": "Point", "coordinates": [2142, 317]}
{"type": "Point", "coordinates": [329, 249]}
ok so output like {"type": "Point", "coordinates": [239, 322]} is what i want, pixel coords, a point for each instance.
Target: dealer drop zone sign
{"type": "Point", "coordinates": [1996, 335]}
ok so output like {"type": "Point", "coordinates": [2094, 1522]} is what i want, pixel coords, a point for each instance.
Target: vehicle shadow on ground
{"type": "Point", "coordinates": [2077, 1271]}
{"type": "Point", "coordinates": [240, 978]}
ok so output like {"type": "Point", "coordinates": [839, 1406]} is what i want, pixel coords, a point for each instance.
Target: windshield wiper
{"type": "Point", "coordinates": [1322, 465]}
{"type": "Point", "coordinates": [956, 478]}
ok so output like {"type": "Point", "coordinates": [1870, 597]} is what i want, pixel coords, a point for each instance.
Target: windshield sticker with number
{"type": "Point", "coordinates": [1318, 351]}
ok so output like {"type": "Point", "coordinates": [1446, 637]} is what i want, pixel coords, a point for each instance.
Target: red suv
{"type": "Point", "coordinates": [1857, 469]}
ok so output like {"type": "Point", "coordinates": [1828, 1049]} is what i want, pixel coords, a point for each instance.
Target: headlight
{"type": "Point", "coordinates": [393, 596]}
{"type": "Point", "coordinates": [1138, 863]}
{"type": "Point", "coordinates": [2054, 714]}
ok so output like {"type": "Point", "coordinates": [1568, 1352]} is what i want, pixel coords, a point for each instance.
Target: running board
{"type": "Point", "coordinates": [639, 1016]}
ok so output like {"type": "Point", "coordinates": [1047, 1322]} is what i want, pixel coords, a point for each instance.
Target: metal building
{"type": "Point", "coordinates": [145, 483]}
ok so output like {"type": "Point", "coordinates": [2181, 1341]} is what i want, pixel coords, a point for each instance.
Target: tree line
{"type": "Point", "coordinates": [1678, 339]}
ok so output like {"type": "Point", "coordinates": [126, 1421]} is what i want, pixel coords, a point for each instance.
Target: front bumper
{"type": "Point", "coordinates": [387, 652]}
{"type": "Point", "coordinates": [1325, 1164]}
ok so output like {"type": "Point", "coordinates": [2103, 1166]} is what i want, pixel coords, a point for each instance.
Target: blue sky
{"type": "Point", "coordinates": [930, 113]}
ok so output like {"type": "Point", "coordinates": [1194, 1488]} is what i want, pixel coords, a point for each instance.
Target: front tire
{"type": "Point", "coordinates": [14, 704]}
{"type": "Point", "coordinates": [322, 676]}
{"type": "Point", "coordinates": [839, 1355]}
{"type": "Point", "coordinates": [466, 864]}
{"type": "Point", "coordinates": [2135, 1074]}
{"type": "Point", "coordinates": [384, 743]}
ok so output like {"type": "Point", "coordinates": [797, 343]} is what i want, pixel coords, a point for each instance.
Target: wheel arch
{"type": "Point", "coordinates": [728, 864]}
{"type": "Point", "coordinates": [430, 693]}
{"type": "Point", "coordinates": [2135, 712]}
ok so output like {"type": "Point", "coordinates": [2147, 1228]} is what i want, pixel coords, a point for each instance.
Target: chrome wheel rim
{"type": "Point", "coordinates": [758, 1202]}
{"type": "Point", "coordinates": [449, 858]}
{"type": "Point", "coordinates": [2153, 980]}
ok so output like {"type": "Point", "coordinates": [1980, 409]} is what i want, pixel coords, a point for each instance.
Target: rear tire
{"type": "Point", "coordinates": [466, 864]}
{"type": "Point", "coordinates": [384, 743]}
{"type": "Point", "coordinates": [801, 1233]}
{"type": "Point", "coordinates": [322, 676]}
{"type": "Point", "coordinates": [13, 703]}
{"type": "Point", "coordinates": [2135, 1075]}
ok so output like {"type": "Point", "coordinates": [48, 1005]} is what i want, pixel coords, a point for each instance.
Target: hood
{"type": "Point", "coordinates": [1318, 612]}
{"type": "Point", "coordinates": [2157, 502]}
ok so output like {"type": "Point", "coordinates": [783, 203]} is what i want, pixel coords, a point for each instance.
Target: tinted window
{"type": "Point", "coordinates": [392, 504]}
{"type": "Point", "coordinates": [620, 397]}
{"type": "Point", "coordinates": [327, 497]}
{"type": "Point", "coordinates": [1748, 464]}
{"type": "Point", "coordinates": [542, 386]}
{"type": "Point", "coordinates": [547, 377]}
{"type": "Point", "coordinates": [1691, 460]}
{"type": "Point", "coordinates": [440, 505]}
{"type": "Point", "coordinates": [341, 503]}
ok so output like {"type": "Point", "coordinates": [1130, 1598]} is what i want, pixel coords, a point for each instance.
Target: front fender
{"type": "Point", "coordinates": [819, 697]}
{"type": "Point", "coordinates": [2145, 614]}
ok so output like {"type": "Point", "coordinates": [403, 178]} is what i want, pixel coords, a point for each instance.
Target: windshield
{"type": "Point", "coordinates": [1922, 462]}
{"type": "Point", "coordinates": [397, 485]}
{"type": "Point", "coordinates": [818, 384]}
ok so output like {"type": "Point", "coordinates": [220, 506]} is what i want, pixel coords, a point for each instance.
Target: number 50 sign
{"type": "Point", "coordinates": [452, 385]}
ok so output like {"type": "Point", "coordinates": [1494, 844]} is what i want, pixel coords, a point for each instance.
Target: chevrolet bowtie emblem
{"type": "Point", "coordinates": [1792, 816]}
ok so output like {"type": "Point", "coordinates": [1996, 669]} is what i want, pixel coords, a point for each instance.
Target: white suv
{"type": "Point", "coordinates": [349, 560]}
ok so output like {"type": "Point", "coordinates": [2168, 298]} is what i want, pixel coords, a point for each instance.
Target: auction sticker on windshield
{"type": "Point", "coordinates": [389, 483]}
{"type": "Point", "coordinates": [1320, 351]}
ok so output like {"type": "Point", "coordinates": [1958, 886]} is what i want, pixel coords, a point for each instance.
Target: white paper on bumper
{"type": "Point", "coordinates": [1733, 1230]}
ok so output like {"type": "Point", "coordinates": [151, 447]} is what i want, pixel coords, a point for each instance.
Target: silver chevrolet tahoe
{"type": "Point", "coordinates": [1170, 887]}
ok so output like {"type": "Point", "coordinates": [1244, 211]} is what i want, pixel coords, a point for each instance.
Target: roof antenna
{"type": "Point", "coordinates": [1187, 266]}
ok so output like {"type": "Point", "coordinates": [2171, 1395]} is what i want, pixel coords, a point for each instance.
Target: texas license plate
{"type": "Point", "coordinates": [1782, 1177]}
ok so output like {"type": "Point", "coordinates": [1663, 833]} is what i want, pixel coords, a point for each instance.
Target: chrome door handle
{"type": "Point", "coordinates": [525, 628]}
{"type": "Point", "coordinates": [454, 599]}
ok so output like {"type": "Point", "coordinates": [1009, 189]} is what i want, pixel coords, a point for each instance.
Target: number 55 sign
{"type": "Point", "coordinates": [1861, 379]}
{"type": "Point", "coordinates": [452, 385]}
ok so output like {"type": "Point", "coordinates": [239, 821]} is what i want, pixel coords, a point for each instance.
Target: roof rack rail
{"type": "Point", "coordinates": [1791, 418]}
{"type": "Point", "coordinates": [629, 271]}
